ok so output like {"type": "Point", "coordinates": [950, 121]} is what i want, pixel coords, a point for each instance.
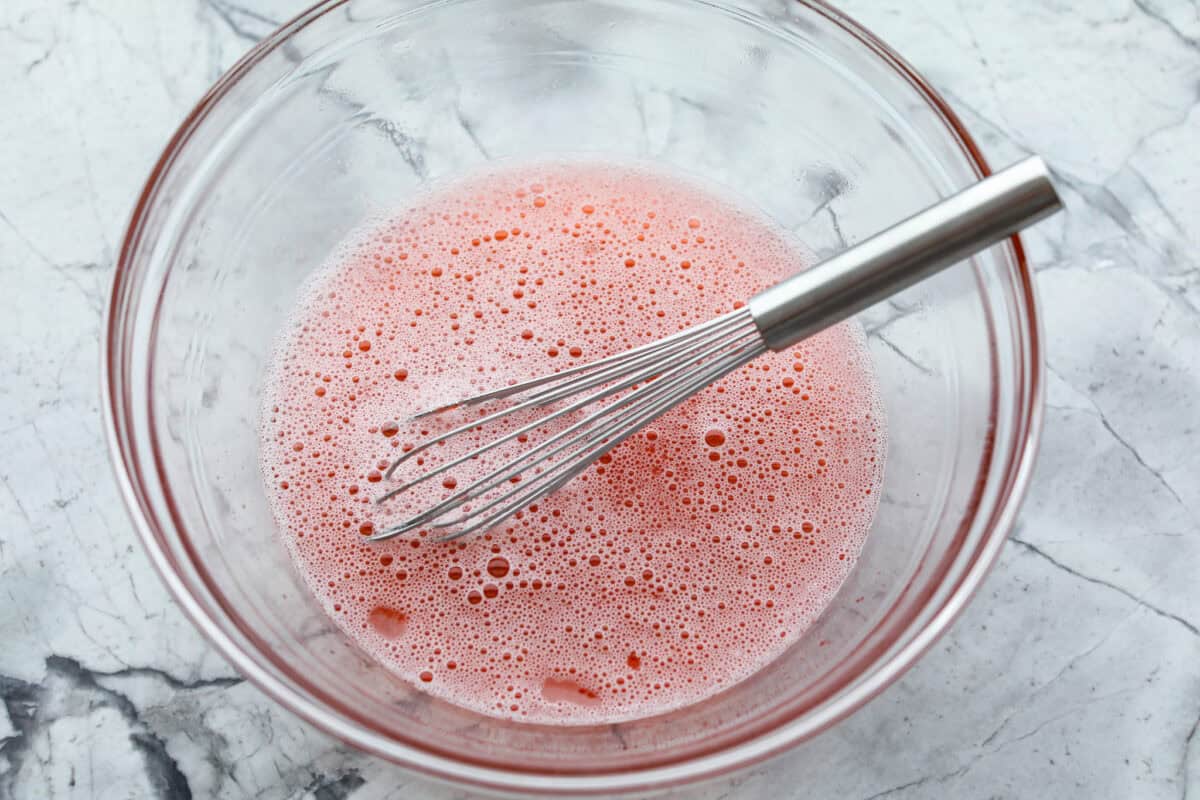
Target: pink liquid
{"type": "Point", "coordinates": [691, 556]}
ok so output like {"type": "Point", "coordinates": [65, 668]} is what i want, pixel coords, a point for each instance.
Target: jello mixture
{"type": "Point", "coordinates": [683, 561]}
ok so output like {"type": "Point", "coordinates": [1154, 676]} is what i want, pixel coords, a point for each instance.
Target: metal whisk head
{"type": "Point", "coordinates": [617, 396]}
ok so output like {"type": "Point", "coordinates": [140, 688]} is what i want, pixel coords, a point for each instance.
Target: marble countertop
{"type": "Point", "coordinates": [1075, 673]}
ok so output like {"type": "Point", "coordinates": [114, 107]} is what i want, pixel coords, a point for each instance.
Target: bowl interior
{"type": "Point", "coordinates": [357, 105]}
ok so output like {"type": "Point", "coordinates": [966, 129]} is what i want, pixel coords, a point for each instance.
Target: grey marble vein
{"type": "Point", "coordinates": [1075, 673]}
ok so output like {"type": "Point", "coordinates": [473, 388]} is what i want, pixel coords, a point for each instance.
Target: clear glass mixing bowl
{"type": "Point", "coordinates": [354, 105]}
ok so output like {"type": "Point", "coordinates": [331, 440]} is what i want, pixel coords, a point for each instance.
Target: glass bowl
{"type": "Point", "coordinates": [355, 105]}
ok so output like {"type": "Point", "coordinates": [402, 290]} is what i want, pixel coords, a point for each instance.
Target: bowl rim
{"type": "Point", "coordinates": [1013, 481]}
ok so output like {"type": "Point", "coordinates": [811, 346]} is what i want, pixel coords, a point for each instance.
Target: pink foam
{"type": "Point", "coordinates": [696, 552]}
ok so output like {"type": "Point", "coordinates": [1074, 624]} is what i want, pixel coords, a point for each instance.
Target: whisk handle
{"type": "Point", "coordinates": [925, 243]}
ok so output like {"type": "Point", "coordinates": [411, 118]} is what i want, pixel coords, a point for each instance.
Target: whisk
{"type": "Point", "coordinates": [648, 381]}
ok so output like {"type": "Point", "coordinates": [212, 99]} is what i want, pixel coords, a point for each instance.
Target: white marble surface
{"type": "Point", "coordinates": [1076, 673]}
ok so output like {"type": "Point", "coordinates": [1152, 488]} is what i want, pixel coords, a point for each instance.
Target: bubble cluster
{"type": "Point", "coordinates": [683, 561]}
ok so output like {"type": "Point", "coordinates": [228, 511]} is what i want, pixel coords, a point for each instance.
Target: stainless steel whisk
{"type": "Point", "coordinates": [659, 376]}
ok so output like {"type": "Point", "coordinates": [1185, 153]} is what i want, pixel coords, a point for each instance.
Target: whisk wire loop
{"type": "Point", "coordinates": [660, 376]}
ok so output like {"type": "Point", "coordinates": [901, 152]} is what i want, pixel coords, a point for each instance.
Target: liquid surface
{"type": "Point", "coordinates": [686, 559]}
